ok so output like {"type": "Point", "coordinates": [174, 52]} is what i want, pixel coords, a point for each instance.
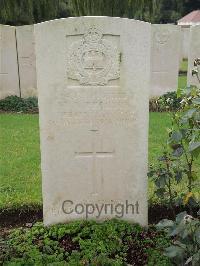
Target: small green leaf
{"type": "Point", "coordinates": [196, 101]}
{"type": "Point", "coordinates": [160, 192]}
{"type": "Point", "coordinates": [165, 223]}
{"type": "Point", "coordinates": [176, 136]}
{"type": "Point", "coordinates": [174, 251]}
{"type": "Point", "coordinates": [194, 146]}
{"type": "Point", "coordinates": [180, 216]}
{"type": "Point", "coordinates": [190, 113]}
{"type": "Point", "coordinates": [178, 152]}
{"type": "Point", "coordinates": [161, 182]}
{"type": "Point", "coordinates": [178, 176]}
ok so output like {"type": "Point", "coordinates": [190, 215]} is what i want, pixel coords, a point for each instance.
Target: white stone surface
{"type": "Point", "coordinates": [9, 81]}
{"type": "Point", "coordinates": [185, 41]}
{"type": "Point", "coordinates": [93, 80]}
{"type": "Point", "coordinates": [165, 57]}
{"type": "Point", "coordinates": [194, 52]}
{"type": "Point", "coordinates": [26, 57]}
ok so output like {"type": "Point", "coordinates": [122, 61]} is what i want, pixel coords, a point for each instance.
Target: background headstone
{"type": "Point", "coordinates": [9, 80]}
{"type": "Point", "coordinates": [165, 56]}
{"type": "Point", "coordinates": [26, 57]}
{"type": "Point", "coordinates": [185, 31]}
{"type": "Point", "coordinates": [194, 53]}
{"type": "Point", "coordinates": [93, 81]}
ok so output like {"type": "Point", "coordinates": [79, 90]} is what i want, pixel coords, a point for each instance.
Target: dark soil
{"type": "Point", "coordinates": [16, 218]}
{"type": "Point", "coordinates": [68, 245]}
{"type": "Point", "coordinates": [136, 254]}
{"type": "Point", "coordinates": [159, 212]}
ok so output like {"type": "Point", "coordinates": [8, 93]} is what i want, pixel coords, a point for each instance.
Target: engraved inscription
{"type": "Point", "coordinates": [94, 107]}
{"type": "Point", "coordinates": [95, 154]}
{"type": "Point", "coordinates": [2, 72]}
{"type": "Point", "coordinates": [162, 37]}
{"type": "Point", "coordinates": [93, 60]}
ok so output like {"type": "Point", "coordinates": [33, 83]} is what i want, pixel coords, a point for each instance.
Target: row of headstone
{"type": "Point", "coordinates": [185, 32]}
{"type": "Point", "coordinates": [93, 78]}
{"type": "Point", "coordinates": [9, 78]}
{"type": "Point", "coordinates": [194, 53]}
{"type": "Point", "coordinates": [165, 58]}
{"type": "Point", "coordinates": [17, 61]}
{"type": "Point", "coordinates": [18, 70]}
{"type": "Point", "coordinates": [170, 45]}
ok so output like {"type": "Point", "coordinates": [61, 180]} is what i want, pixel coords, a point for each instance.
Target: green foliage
{"type": "Point", "coordinates": [177, 162]}
{"type": "Point", "coordinates": [195, 71]}
{"type": "Point", "coordinates": [183, 149]}
{"type": "Point", "coordinates": [85, 243]}
{"type": "Point", "coordinates": [17, 104]}
{"type": "Point", "coordinates": [186, 245]}
{"type": "Point", "coordinates": [165, 175]}
{"type": "Point", "coordinates": [117, 8]}
{"type": "Point", "coordinates": [20, 12]}
{"type": "Point", "coordinates": [165, 103]}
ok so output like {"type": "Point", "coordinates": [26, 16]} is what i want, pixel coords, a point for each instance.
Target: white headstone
{"type": "Point", "coordinates": [194, 53]}
{"type": "Point", "coordinates": [93, 80]}
{"type": "Point", "coordinates": [165, 58]}
{"type": "Point", "coordinates": [26, 56]}
{"type": "Point", "coordinates": [9, 81]}
{"type": "Point", "coordinates": [185, 41]}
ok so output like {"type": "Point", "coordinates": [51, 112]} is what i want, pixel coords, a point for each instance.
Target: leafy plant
{"type": "Point", "coordinates": [113, 242]}
{"type": "Point", "coordinates": [195, 71]}
{"type": "Point", "coordinates": [183, 149]}
{"type": "Point", "coordinates": [185, 231]}
{"type": "Point", "coordinates": [17, 104]}
{"type": "Point", "coordinates": [165, 175]}
{"type": "Point", "coordinates": [168, 102]}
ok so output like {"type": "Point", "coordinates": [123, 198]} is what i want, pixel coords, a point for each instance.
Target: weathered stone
{"type": "Point", "coordinates": [165, 58]}
{"type": "Point", "coordinates": [194, 53]}
{"type": "Point", "coordinates": [185, 41]}
{"type": "Point", "coordinates": [26, 57]}
{"type": "Point", "coordinates": [9, 80]}
{"type": "Point", "coordinates": [93, 78]}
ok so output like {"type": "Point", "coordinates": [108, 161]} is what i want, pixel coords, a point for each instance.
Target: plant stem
{"type": "Point", "coordinates": [190, 175]}
{"type": "Point", "coordinates": [170, 190]}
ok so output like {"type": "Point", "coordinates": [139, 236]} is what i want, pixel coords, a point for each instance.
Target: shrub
{"type": "Point", "coordinates": [177, 162]}
{"type": "Point", "coordinates": [17, 104]}
{"type": "Point", "coordinates": [167, 102]}
{"type": "Point", "coordinates": [113, 242]}
{"type": "Point", "coordinates": [186, 244]}
{"type": "Point", "coordinates": [182, 150]}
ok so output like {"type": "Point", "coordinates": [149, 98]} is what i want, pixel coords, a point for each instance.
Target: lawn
{"type": "Point", "coordinates": [20, 176]}
{"type": "Point", "coordinates": [184, 65]}
{"type": "Point", "coordinates": [182, 81]}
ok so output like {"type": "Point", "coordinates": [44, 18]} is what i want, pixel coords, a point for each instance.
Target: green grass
{"type": "Point", "coordinates": [182, 81]}
{"type": "Point", "coordinates": [184, 65]}
{"type": "Point", "coordinates": [20, 176]}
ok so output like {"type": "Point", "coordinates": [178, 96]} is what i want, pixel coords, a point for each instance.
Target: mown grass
{"type": "Point", "coordinates": [20, 175]}
{"type": "Point", "coordinates": [182, 81]}
{"type": "Point", "coordinates": [184, 65]}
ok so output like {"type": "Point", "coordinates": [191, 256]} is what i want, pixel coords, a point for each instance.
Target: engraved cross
{"type": "Point", "coordinates": [95, 155]}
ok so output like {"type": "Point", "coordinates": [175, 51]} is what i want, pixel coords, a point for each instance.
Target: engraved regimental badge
{"type": "Point", "coordinates": [93, 60]}
{"type": "Point", "coordinates": [162, 37]}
